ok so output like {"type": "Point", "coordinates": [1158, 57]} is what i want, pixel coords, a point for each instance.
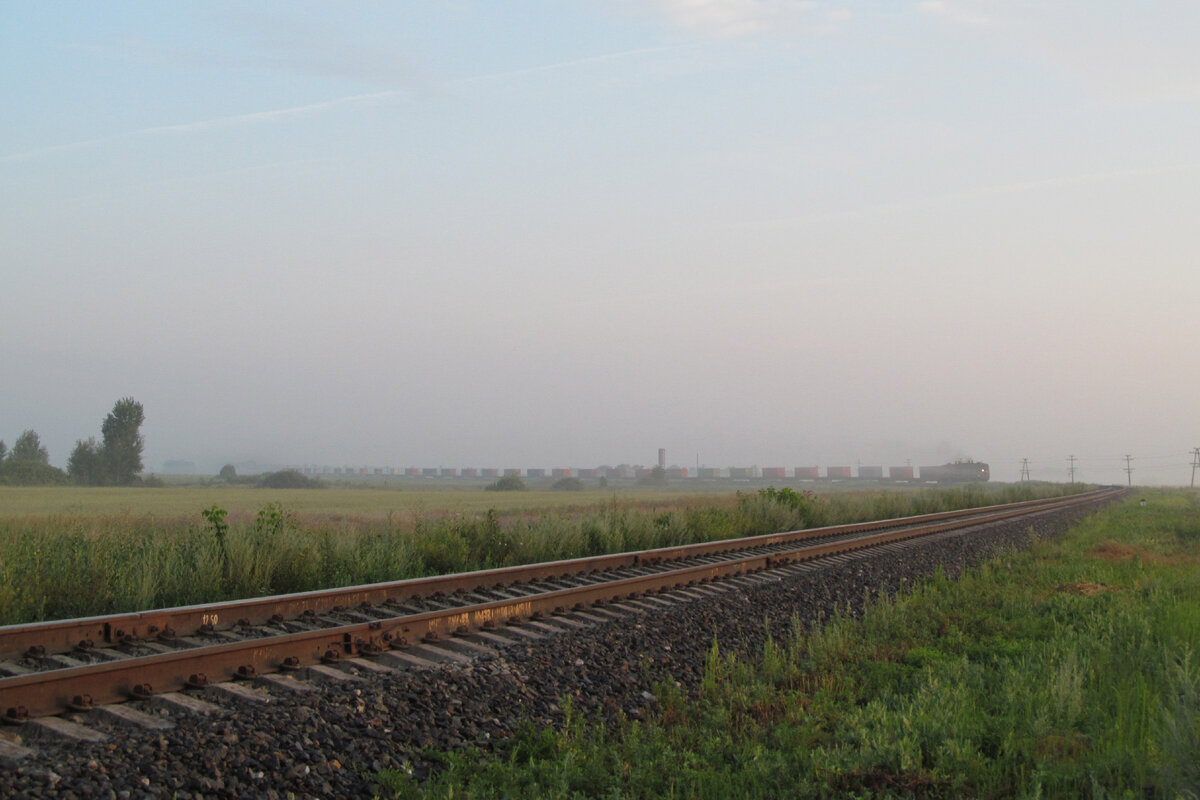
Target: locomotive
{"type": "Point", "coordinates": [957, 472]}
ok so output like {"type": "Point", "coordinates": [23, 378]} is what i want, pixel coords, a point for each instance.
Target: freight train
{"type": "Point", "coordinates": [956, 472]}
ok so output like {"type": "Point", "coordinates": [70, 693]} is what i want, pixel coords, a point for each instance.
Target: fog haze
{"type": "Point", "coordinates": [567, 234]}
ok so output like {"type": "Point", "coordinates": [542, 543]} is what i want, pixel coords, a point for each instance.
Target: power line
{"type": "Point", "coordinates": [1129, 469]}
{"type": "Point", "coordinates": [1024, 469]}
{"type": "Point", "coordinates": [1195, 464]}
{"type": "Point", "coordinates": [1071, 469]}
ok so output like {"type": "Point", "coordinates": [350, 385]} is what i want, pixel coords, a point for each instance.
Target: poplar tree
{"type": "Point", "coordinates": [28, 447]}
{"type": "Point", "coordinates": [121, 451]}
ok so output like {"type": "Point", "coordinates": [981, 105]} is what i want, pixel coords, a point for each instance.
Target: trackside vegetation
{"type": "Point", "coordinates": [1070, 670]}
{"type": "Point", "coordinates": [63, 565]}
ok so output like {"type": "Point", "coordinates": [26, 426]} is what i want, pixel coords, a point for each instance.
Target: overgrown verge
{"type": "Point", "coordinates": [1067, 671]}
{"type": "Point", "coordinates": [132, 563]}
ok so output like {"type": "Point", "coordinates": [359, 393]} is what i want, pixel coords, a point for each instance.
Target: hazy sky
{"type": "Point", "coordinates": [753, 232]}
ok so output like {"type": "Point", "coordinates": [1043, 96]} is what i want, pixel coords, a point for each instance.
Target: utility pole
{"type": "Point", "coordinates": [1024, 469]}
{"type": "Point", "coordinates": [1195, 464]}
{"type": "Point", "coordinates": [1071, 469]}
{"type": "Point", "coordinates": [1128, 469]}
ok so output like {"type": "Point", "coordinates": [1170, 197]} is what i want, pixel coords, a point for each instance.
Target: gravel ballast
{"type": "Point", "coordinates": [333, 740]}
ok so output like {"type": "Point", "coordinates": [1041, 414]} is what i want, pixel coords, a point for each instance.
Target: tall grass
{"type": "Point", "coordinates": [74, 564]}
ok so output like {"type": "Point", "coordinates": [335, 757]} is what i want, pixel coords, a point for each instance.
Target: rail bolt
{"type": "Point", "coordinates": [513, 620]}
{"type": "Point", "coordinates": [143, 691]}
{"type": "Point", "coordinates": [36, 651]}
{"type": "Point", "coordinates": [398, 642]}
{"type": "Point", "coordinates": [167, 634]}
{"type": "Point", "coordinates": [246, 671]}
{"type": "Point", "coordinates": [17, 715]}
{"type": "Point", "coordinates": [331, 657]}
{"type": "Point", "coordinates": [290, 663]}
{"type": "Point", "coordinates": [462, 630]}
{"type": "Point", "coordinates": [197, 680]}
{"type": "Point", "coordinates": [276, 619]}
{"type": "Point", "coordinates": [80, 702]}
{"type": "Point", "coordinates": [488, 624]}
{"type": "Point", "coordinates": [85, 644]}
{"type": "Point", "coordinates": [430, 636]}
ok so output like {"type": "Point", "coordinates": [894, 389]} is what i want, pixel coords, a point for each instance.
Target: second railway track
{"type": "Point", "coordinates": [53, 667]}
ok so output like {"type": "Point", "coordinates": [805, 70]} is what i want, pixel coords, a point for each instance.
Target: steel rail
{"type": "Point", "coordinates": [64, 636]}
{"type": "Point", "coordinates": [47, 693]}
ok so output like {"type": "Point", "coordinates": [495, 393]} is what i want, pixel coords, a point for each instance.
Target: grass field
{"type": "Point", "coordinates": [72, 552]}
{"type": "Point", "coordinates": [1067, 671]}
{"type": "Point", "coordinates": [332, 502]}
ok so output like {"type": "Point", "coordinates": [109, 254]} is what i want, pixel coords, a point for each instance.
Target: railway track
{"type": "Point", "coordinates": [74, 665]}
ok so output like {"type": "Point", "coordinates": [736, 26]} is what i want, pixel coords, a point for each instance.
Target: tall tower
{"type": "Point", "coordinates": [662, 457]}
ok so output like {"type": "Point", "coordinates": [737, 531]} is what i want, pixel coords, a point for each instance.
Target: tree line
{"type": "Point", "coordinates": [115, 460]}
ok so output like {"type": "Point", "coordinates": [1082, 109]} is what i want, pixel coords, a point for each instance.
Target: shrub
{"type": "Point", "coordinates": [31, 473]}
{"type": "Point", "coordinates": [509, 483]}
{"type": "Point", "coordinates": [289, 479]}
{"type": "Point", "coordinates": [568, 485]}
